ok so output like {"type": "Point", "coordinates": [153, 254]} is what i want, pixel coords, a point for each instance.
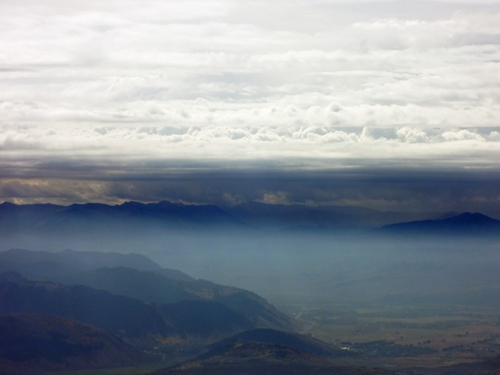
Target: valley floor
{"type": "Point", "coordinates": [451, 334]}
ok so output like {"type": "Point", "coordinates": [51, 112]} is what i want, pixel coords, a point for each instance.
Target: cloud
{"type": "Point", "coordinates": [109, 151]}
{"type": "Point", "coordinates": [280, 197]}
{"type": "Point", "coordinates": [110, 93]}
{"type": "Point", "coordinates": [418, 190]}
{"type": "Point", "coordinates": [150, 61]}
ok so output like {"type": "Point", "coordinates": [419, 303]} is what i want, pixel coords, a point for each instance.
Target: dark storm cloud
{"type": "Point", "coordinates": [381, 189]}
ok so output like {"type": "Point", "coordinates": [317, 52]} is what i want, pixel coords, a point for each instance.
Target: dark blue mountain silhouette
{"type": "Point", "coordinates": [463, 224]}
{"type": "Point", "coordinates": [129, 216]}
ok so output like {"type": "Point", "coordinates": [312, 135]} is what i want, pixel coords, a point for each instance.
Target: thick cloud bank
{"type": "Point", "coordinates": [97, 94]}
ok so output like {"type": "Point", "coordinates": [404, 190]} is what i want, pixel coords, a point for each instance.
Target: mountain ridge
{"type": "Point", "coordinates": [286, 339]}
{"type": "Point", "coordinates": [135, 217]}
{"type": "Point", "coordinates": [462, 224]}
{"type": "Point", "coordinates": [118, 274]}
{"type": "Point", "coordinates": [130, 216]}
{"type": "Point", "coordinates": [129, 318]}
{"type": "Point", "coordinates": [254, 358]}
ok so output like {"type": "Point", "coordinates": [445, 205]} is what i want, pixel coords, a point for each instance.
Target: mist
{"type": "Point", "coordinates": [349, 268]}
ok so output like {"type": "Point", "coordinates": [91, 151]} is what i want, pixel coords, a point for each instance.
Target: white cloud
{"type": "Point", "coordinates": [293, 147]}
{"type": "Point", "coordinates": [219, 80]}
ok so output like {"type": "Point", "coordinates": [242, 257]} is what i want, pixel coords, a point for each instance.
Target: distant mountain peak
{"type": "Point", "coordinates": [131, 204]}
{"type": "Point", "coordinates": [472, 216]}
{"type": "Point", "coordinates": [466, 223]}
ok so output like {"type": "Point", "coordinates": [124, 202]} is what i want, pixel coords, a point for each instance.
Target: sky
{"type": "Point", "coordinates": [391, 105]}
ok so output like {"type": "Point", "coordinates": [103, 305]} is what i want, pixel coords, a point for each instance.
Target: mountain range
{"type": "Point", "coordinates": [132, 218]}
{"type": "Point", "coordinates": [147, 306]}
{"type": "Point", "coordinates": [149, 283]}
{"type": "Point", "coordinates": [135, 216]}
{"type": "Point", "coordinates": [132, 319]}
{"type": "Point", "coordinates": [129, 216]}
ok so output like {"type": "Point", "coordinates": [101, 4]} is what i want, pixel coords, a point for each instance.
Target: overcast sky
{"type": "Point", "coordinates": [385, 104]}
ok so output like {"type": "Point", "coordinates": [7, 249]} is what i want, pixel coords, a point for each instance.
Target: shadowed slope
{"type": "Point", "coordinates": [126, 317]}
{"type": "Point", "coordinates": [147, 282]}
{"type": "Point", "coordinates": [136, 276]}
{"type": "Point", "coordinates": [36, 343]}
{"type": "Point", "coordinates": [157, 288]}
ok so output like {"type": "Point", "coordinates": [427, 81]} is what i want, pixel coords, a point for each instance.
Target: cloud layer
{"type": "Point", "coordinates": [98, 92]}
{"type": "Point", "coordinates": [250, 63]}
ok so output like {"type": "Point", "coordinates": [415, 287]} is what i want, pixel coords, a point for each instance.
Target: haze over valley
{"type": "Point", "coordinates": [373, 293]}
